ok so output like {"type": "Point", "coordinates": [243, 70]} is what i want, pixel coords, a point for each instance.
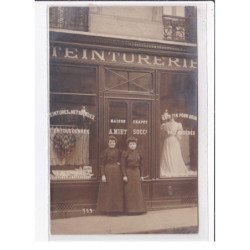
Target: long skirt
{"type": "Point", "coordinates": [134, 202]}
{"type": "Point", "coordinates": [111, 193]}
{"type": "Point", "coordinates": [172, 162]}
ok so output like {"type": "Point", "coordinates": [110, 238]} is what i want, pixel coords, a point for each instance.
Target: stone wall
{"type": "Point", "coordinates": [136, 21]}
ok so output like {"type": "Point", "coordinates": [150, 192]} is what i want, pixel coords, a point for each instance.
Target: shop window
{"type": "Point", "coordinates": [73, 128]}
{"type": "Point", "coordinates": [178, 136]}
{"type": "Point", "coordinates": [73, 79]}
{"type": "Point", "coordinates": [128, 81]}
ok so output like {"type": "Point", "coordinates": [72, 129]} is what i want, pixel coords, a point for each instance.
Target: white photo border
{"type": "Point", "coordinates": [205, 27]}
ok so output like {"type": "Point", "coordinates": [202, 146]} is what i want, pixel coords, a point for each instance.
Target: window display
{"type": "Point", "coordinates": [179, 125]}
{"type": "Point", "coordinates": [172, 163]}
{"type": "Point", "coordinates": [73, 127]}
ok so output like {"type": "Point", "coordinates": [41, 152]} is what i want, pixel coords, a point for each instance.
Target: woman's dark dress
{"type": "Point", "coordinates": [131, 162]}
{"type": "Point", "coordinates": [111, 193]}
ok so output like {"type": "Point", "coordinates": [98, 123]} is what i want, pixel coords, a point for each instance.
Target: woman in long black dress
{"type": "Point", "coordinates": [111, 191]}
{"type": "Point", "coordinates": [131, 162]}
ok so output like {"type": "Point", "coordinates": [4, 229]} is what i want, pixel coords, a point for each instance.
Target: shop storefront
{"type": "Point", "coordinates": [101, 86]}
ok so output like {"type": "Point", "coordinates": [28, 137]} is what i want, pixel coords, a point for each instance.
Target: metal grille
{"type": "Point", "coordinates": [180, 29]}
{"type": "Point", "coordinates": [73, 18]}
{"type": "Point", "coordinates": [189, 200]}
{"type": "Point", "coordinates": [64, 206]}
{"type": "Point", "coordinates": [174, 28]}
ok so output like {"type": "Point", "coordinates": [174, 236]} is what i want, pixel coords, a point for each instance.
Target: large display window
{"type": "Point", "coordinates": [178, 129]}
{"type": "Point", "coordinates": [73, 123]}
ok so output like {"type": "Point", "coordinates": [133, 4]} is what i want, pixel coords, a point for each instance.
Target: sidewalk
{"type": "Point", "coordinates": [181, 220]}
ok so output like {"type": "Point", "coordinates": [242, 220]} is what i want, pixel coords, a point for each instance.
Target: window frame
{"type": "Point", "coordinates": [95, 169]}
{"type": "Point", "coordinates": [158, 114]}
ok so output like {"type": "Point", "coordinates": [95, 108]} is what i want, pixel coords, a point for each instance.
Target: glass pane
{"type": "Point", "coordinates": [178, 136]}
{"type": "Point", "coordinates": [116, 79]}
{"type": "Point", "coordinates": [140, 81]}
{"type": "Point", "coordinates": [140, 130]}
{"type": "Point", "coordinates": [73, 137]}
{"type": "Point", "coordinates": [73, 79]}
{"type": "Point", "coordinates": [118, 122]}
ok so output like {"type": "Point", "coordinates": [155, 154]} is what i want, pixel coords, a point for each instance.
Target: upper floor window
{"type": "Point", "coordinates": [179, 23]}
{"type": "Point", "coordinates": [173, 23]}
{"type": "Point", "coordinates": [75, 18]}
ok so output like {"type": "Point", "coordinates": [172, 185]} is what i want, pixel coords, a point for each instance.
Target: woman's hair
{"type": "Point", "coordinates": [112, 138]}
{"type": "Point", "coordinates": [132, 139]}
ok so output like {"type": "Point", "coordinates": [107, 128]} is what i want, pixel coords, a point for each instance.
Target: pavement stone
{"type": "Point", "coordinates": [181, 220]}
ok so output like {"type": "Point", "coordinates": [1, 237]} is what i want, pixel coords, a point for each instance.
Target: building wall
{"type": "Point", "coordinates": [141, 22]}
{"type": "Point", "coordinates": [174, 11]}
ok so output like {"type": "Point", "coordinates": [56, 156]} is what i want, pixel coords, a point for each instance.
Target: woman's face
{"type": "Point", "coordinates": [111, 143]}
{"type": "Point", "coordinates": [132, 145]}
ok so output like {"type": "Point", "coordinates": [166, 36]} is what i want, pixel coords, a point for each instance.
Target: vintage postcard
{"type": "Point", "coordinates": [124, 127]}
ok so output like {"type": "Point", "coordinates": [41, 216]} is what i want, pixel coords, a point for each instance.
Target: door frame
{"type": "Point", "coordinates": [151, 126]}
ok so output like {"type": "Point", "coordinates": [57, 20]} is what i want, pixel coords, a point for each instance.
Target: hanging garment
{"type": "Point", "coordinates": [172, 163]}
{"type": "Point", "coordinates": [69, 146]}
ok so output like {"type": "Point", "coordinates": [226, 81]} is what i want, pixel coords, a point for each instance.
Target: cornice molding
{"type": "Point", "coordinates": [145, 46]}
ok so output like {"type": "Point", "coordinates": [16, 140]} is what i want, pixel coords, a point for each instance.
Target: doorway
{"type": "Point", "coordinates": [126, 117]}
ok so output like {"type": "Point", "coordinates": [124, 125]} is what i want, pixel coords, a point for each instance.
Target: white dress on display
{"type": "Point", "coordinates": [172, 163]}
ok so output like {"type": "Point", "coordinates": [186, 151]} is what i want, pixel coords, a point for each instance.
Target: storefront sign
{"type": "Point", "coordinates": [120, 121]}
{"type": "Point", "coordinates": [107, 56]}
{"type": "Point", "coordinates": [166, 116]}
{"type": "Point", "coordinates": [140, 122]}
{"type": "Point", "coordinates": [82, 112]}
{"type": "Point", "coordinates": [70, 130]}
{"type": "Point", "coordinates": [117, 131]}
{"type": "Point", "coordinates": [84, 173]}
{"type": "Point", "coordinates": [140, 131]}
{"type": "Point", "coordinates": [186, 132]}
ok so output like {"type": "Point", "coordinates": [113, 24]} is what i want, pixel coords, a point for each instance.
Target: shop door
{"type": "Point", "coordinates": [130, 117]}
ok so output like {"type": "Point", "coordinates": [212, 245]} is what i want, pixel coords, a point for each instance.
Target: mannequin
{"type": "Point", "coordinates": [172, 163]}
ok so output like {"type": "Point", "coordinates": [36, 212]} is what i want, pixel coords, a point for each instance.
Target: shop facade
{"type": "Point", "coordinates": [101, 86]}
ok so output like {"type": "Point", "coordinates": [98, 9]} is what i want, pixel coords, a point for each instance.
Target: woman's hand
{"type": "Point", "coordinates": [125, 179]}
{"type": "Point", "coordinates": [144, 177]}
{"type": "Point", "coordinates": [104, 178]}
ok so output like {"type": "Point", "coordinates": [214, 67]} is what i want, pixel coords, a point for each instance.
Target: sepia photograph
{"type": "Point", "coordinates": [123, 119]}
